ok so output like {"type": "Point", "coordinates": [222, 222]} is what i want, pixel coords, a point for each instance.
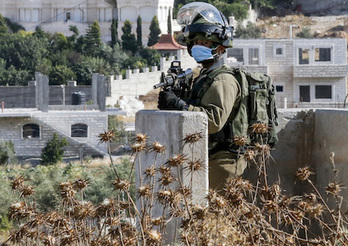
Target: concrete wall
{"type": "Point", "coordinates": [307, 137]}
{"type": "Point", "coordinates": [139, 82]}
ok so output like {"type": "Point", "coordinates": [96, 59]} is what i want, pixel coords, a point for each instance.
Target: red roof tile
{"type": "Point", "coordinates": [167, 42]}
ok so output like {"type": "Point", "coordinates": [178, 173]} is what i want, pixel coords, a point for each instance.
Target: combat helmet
{"type": "Point", "coordinates": [203, 21]}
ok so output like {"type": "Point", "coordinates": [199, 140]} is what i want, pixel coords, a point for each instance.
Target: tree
{"type": "Point", "coordinates": [92, 39]}
{"type": "Point", "coordinates": [114, 32]}
{"type": "Point", "coordinates": [250, 31]}
{"type": "Point", "coordinates": [305, 33]}
{"type": "Point", "coordinates": [155, 31]}
{"type": "Point", "coordinates": [139, 32]}
{"type": "Point", "coordinates": [53, 151]}
{"type": "Point", "coordinates": [7, 151]}
{"type": "Point", "coordinates": [169, 22]}
{"type": "Point", "coordinates": [3, 26]}
{"type": "Point", "coordinates": [129, 42]}
{"type": "Point", "coordinates": [60, 74]}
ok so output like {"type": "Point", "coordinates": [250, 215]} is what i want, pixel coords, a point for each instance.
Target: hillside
{"type": "Point", "coordinates": [321, 26]}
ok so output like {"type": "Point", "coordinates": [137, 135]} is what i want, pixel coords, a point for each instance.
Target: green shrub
{"type": "Point", "coordinates": [7, 151]}
{"type": "Point", "coordinates": [53, 151]}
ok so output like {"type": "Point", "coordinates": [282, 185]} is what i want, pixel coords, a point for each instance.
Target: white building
{"type": "Point", "coordinates": [57, 16]}
{"type": "Point", "coordinates": [306, 72]}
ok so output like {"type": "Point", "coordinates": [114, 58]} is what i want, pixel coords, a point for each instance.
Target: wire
{"type": "Point", "coordinates": [55, 17]}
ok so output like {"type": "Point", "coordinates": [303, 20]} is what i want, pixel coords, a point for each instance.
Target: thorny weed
{"type": "Point", "coordinates": [240, 214]}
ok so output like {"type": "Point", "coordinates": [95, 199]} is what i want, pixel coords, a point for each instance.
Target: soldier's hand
{"type": "Point", "coordinates": [168, 100]}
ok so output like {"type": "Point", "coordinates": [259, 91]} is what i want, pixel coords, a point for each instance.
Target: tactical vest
{"type": "Point", "coordinates": [256, 105]}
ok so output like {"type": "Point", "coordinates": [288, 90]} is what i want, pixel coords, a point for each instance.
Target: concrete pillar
{"type": "Point", "coordinates": [101, 90]}
{"type": "Point", "coordinates": [42, 92]}
{"type": "Point", "coordinates": [162, 63]}
{"type": "Point", "coordinates": [169, 128]}
{"type": "Point", "coordinates": [128, 73]}
{"type": "Point", "coordinates": [94, 87]}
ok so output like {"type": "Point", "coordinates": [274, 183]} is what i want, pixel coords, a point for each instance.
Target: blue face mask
{"type": "Point", "coordinates": [201, 53]}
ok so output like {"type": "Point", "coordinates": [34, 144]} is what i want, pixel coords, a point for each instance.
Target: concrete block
{"type": "Point", "coordinates": [170, 128]}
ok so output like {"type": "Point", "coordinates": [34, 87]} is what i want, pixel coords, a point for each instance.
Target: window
{"type": "Point", "coordinates": [322, 54]}
{"type": "Point", "coordinates": [31, 131]}
{"type": "Point", "coordinates": [253, 56]}
{"type": "Point", "coordinates": [279, 88]}
{"type": "Point", "coordinates": [305, 93]}
{"type": "Point", "coordinates": [236, 53]}
{"type": "Point", "coordinates": [279, 50]}
{"type": "Point", "coordinates": [79, 131]}
{"type": "Point", "coordinates": [303, 56]}
{"type": "Point", "coordinates": [323, 92]}
{"type": "Point", "coordinates": [67, 16]}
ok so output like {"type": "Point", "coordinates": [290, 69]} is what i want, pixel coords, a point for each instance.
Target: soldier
{"type": "Point", "coordinates": [215, 91]}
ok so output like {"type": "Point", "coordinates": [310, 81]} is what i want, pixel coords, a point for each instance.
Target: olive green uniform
{"type": "Point", "coordinates": [218, 99]}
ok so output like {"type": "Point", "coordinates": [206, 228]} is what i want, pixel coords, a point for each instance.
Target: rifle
{"type": "Point", "coordinates": [176, 80]}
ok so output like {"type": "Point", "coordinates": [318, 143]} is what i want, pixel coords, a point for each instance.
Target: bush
{"type": "Point", "coordinates": [7, 151]}
{"type": "Point", "coordinates": [53, 151]}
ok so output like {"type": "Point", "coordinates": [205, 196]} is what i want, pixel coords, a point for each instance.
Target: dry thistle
{"type": "Point", "coordinates": [193, 138]}
{"type": "Point", "coordinates": [240, 140]}
{"type": "Point", "coordinates": [158, 148]}
{"type": "Point", "coordinates": [141, 138]}
{"type": "Point", "coordinates": [315, 210]}
{"type": "Point", "coordinates": [106, 136]}
{"type": "Point", "coordinates": [150, 171]}
{"type": "Point", "coordinates": [153, 237]}
{"type": "Point", "coordinates": [303, 173]}
{"type": "Point", "coordinates": [17, 183]}
{"type": "Point", "coordinates": [249, 155]}
{"type": "Point", "coordinates": [106, 208]}
{"type": "Point", "coordinates": [25, 191]}
{"type": "Point", "coordinates": [20, 210]}
{"type": "Point", "coordinates": [144, 191]}
{"type": "Point", "coordinates": [333, 188]}
{"type": "Point", "coordinates": [168, 197]}
{"type": "Point", "coordinates": [216, 202]}
{"type": "Point", "coordinates": [176, 161]}
{"type": "Point", "coordinates": [157, 221]}
{"type": "Point", "coordinates": [259, 128]}
{"type": "Point", "coordinates": [166, 176]}
{"type": "Point", "coordinates": [80, 184]}
{"type": "Point", "coordinates": [264, 149]}
{"type": "Point", "coordinates": [121, 184]}
{"type": "Point", "coordinates": [185, 191]}
{"type": "Point", "coordinates": [194, 166]}
{"type": "Point", "coordinates": [138, 147]}
{"type": "Point", "coordinates": [271, 206]}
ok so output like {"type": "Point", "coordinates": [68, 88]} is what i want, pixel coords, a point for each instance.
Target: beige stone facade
{"type": "Point", "coordinates": [57, 16]}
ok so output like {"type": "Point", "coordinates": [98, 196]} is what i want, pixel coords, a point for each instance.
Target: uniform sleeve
{"type": "Point", "coordinates": [218, 101]}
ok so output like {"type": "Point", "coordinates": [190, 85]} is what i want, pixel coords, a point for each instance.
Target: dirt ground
{"type": "Point", "coordinates": [320, 26]}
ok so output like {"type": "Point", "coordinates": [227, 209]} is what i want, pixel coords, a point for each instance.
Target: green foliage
{"type": "Point", "coordinates": [92, 40]}
{"type": "Point", "coordinates": [155, 32]}
{"type": "Point", "coordinates": [13, 26]}
{"type": "Point", "coordinates": [248, 32]}
{"type": "Point", "coordinates": [139, 32]}
{"type": "Point", "coordinates": [60, 75]}
{"type": "Point", "coordinates": [151, 56]}
{"type": "Point", "coordinates": [53, 151]}
{"type": "Point", "coordinates": [22, 51]}
{"type": "Point", "coordinates": [129, 42]}
{"type": "Point", "coordinates": [7, 151]}
{"type": "Point", "coordinates": [3, 25]}
{"type": "Point", "coordinates": [305, 33]}
{"type": "Point", "coordinates": [169, 22]}
{"type": "Point", "coordinates": [114, 32]}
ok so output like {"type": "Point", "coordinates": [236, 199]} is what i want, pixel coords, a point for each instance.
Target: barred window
{"type": "Point", "coordinates": [79, 130]}
{"type": "Point", "coordinates": [31, 131]}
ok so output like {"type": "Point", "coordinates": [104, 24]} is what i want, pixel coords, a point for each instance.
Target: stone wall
{"type": "Point", "coordinates": [54, 122]}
